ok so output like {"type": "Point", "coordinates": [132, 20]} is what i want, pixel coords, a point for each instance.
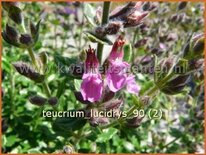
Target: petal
{"type": "Point", "coordinates": [116, 75]}
{"type": "Point", "coordinates": [132, 86]}
{"type": "Point", "coordinates": [91, 87]}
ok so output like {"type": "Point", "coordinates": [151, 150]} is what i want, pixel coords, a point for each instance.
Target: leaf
{"type": "Point", "coordinates": [89, 13]}
{"type": "Point", "coordinates": [127, 52]}
{"type": "Point", "coordinates": [175, 132]}
{"type": "Point", "coordinates": [69, 123]}
{"type": "Point", "coordinates": [94, 38]}
{"type": "Point", "coordinates": [11, 140]}
{"type": "Point", "coordinates": [106, 135]}
{"type": "Point", "coordinates": [64, 65]}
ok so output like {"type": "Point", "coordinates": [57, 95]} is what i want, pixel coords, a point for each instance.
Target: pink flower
{"type": "Point", "coordinates": [92, 85]}
{"type": "Point", "coordinates": [132, 86]}
{"type": "Point", "coordinates": [116, 75]}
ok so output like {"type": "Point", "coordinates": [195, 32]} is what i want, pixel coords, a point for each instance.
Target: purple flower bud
{"type": "Point", "coordinates": [113, 104]}
{"type": "Point", "coordinates": [140, 43]}
{"type": "Point", "coordinates": [107, 95]}
{"type": "Point", "coordinates": [11, 33]}
{"type": "Point", "coordinates": [27, 71]}
{"type": "Point", "coordinates": [92, 84]}
{"type": "Point", "coordinates": [134, 122]}
{"type": "Point", "coordinates": [134, 19]}
{"type": "Point", "coordinates": [182, 5]}
{"type": "Point", "coordinates": [38, 100]}
{"type": "Point", "coordinates": [26, 39]}
{"type": "Point", "coordinates": [113, 27]}
{"type": "Point", "coordinates": [15, 14]}
{"type": "Point", "coordinates": [52, 101]}
{"type": "Point", "coordinates": [176, 85]}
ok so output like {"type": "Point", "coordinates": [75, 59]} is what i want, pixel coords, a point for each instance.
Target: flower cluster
{"type": "Point", "coordinates": [116, 76]}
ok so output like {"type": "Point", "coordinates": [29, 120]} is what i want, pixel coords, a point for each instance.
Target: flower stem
{"type": "Point", "coordinates": [105, 18]}
{"type": "Point", "coordinates": [44, 84]}
{"type": "Point", "coordinates": [150, 92]}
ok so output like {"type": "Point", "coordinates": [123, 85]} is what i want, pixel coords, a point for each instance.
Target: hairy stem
{"type": "Point", "coordinates": [105, 18]}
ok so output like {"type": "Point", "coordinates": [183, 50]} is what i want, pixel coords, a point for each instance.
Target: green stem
{"type": "Point", "coordinates": [105, 18]}
{"type": "Point", "coordinates": [33, 59]}
{"type": "Point", "coordinates": [46, 89]}
{"type": "Point", "coordinates": [44, 84]}
{"type": "Point", "coordinates": [130, 111]}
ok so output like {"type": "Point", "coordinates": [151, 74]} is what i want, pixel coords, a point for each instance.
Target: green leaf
{"type": "Point", "coordinates": [95, 38]}
{"type": "Point", "coordinates": [69, 123]}
{"type": "Point", "coordinates": [89, 13]}
{"type": "Point", "coordinates": [11, 140]}
{"type": "Point", "coordinates": [64, 65]}
{"type": "Point", "coordinates": [106, 135]}
{"type": "Point", "coordinates": [175, 132]}
{"type": "Point", "coordinates": [127, 52]}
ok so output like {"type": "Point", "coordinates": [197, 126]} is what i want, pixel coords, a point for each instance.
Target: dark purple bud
{"type": "Point", "coordinates": [134, 19]}
{"type": "Point", "coordinates": [52, 101]}
{"type": "Point", "coordinates": [95, 121]}
{"type": "Point", "coordinates": [113, 27]}
{"type": "Point", "coordinates": [134, 122]}
{"type": "Point", "coordinates": [15, 14]}
{"type": "Point", "coordinates": [27, 71]}
{"type": "Point", "coordinates": [11, 33]}
{"type": "Point", "coordinates": [79, 97]}
{"type": "Point", "coordinates": [146, 60]}
{"type": "Point", "coordinates": [156, 51]}
{"type": "Point", "coordinates": [199, 46]}
{"type": "Point", "coordinates": [174, 18]}
{"type": "Point", "coordinates": [38, 100]}
{"type": "Point", "coordinates": [140, 43]}
{"type": "Point", "coordinates": [100, 31]}
{"type": "Point", "coordinates": [176, 85]}
{"type": "Point", "coordinates": [182, 5]}
{"type": "Point", "coordinates": [195, 64]}
{"type": "Point", "coordinates": [25, 39]}
{"type": "Point", "coordinates": [108, 95]}
{"type": "Point", "coordinates": [121, 12]}
{"type": "Point", "coordinates": [113, 104]}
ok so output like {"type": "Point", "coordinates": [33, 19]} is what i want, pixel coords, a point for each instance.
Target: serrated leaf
{"type": "Point", "coordinates": [106, 135]}
{"type": "Point", "coordinates": [89, 13]}
{"type": "Point", "coordinates": [94, 38]}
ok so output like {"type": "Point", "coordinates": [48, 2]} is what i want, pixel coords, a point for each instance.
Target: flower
{"type": "Point", "coordinates": [116, 75]}
{"type": "Point", "coordinates": [132, 87]}
{"type": "Point", "coordinates": [92, 85]}
{"type": "Point", "coordinates": [131, 14]}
